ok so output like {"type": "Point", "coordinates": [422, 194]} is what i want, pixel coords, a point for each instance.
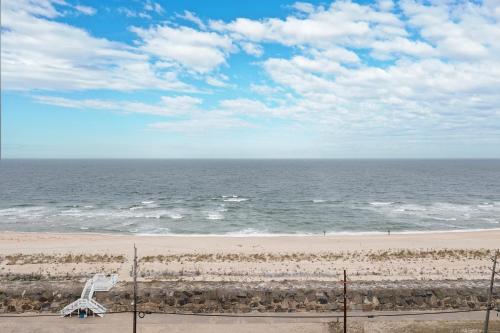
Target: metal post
{"type": "Point", "coordinates": [345, 301]}
{"type": "Point", "coordinates": [490, 294]}
{"type": "Point", "coordinates": [135, 289]}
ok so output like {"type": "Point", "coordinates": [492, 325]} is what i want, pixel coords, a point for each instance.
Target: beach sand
{"type": "Point", "coordinates": [439, 256]}
{"type": "Point", "coordinates": [42, 265]}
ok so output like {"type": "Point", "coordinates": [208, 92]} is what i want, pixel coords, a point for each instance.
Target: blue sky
{"type": "Point", "coordinates": [243, 79]}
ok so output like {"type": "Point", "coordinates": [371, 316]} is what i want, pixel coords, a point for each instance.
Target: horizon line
{"type": "Point", "coordinates": [249, 158]}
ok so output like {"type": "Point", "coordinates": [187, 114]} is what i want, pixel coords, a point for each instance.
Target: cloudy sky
{"type": "Point", "coordinates": [250, 79]}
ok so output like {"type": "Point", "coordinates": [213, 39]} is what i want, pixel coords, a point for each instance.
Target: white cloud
{"type": "Point", "coordinates": [132, 13]}
{"type": "Point", "coordinates": [185, 112]}
{"type": "Point", "coordinates": [86, 10]}
{"type": "Point", "coordinates": [343, 23]}
{"type": "Point", "coordinates": [153, 7]}
{"type": "Point", "coordinates": [304, 7]}
{"type": "Point", "coordinates": [202, 123]}
{"type": "Point", "coordinates": [465, 31]}
{"type": "Point", "coordinates": [347, 68]}
{"type": "Point", "coordinates": [195, 50]}
{"type": "Point", "coordinates": [264, 89]}
{"type": "Point", "coordinates": [38, 53]}
{"type": "Point", "coordinates": [406, 96]}
{"type": "Point", "coordinates": [252, 49]}
{"type": "Point", "coordinates": [450, 80]}
{"type": "Point", "coordinates": [251, 107]}
{"type": "Point", "coordinates": [337, 54]}
{"type": "Point", "coordinates": [318, 65]}
{"type": "Point", "coordinates": [216, 81]}
{"type": "Point", "coordinates": [146, 12]}
{"type": "Point", "coordinates": [398, 46]}
{"type": "Point", "coordinates": [385, 5]}
{"type": "Point", "coordinates": [191, 17]}
{"type": "Point", "coordinates": [169, 106]}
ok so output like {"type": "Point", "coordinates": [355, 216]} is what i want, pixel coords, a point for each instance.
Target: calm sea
{"type": "Point", "coordinates": [239, 197]}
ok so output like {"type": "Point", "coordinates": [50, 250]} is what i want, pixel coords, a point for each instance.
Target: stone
{"type": "Point", "coordinates": [323, 300]}
{"type": "Point", "coordinates": [26, 307]}
{"type": "Point", "coordinates": [183, 301]}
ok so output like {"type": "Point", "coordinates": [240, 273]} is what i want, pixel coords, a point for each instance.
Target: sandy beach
{"type": "Point", "coordinates": [42, 272]}
{"type": "Point", "coordinates": [439, 256]}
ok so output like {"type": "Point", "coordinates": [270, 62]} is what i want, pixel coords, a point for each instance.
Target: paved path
{"type": "Point", "coordinates": [121, 323]}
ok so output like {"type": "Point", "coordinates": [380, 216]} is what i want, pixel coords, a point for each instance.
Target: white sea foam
{"type": "Point", "coordinates": [25, 212]}
{"type": "Point", "coordinates": [466, 215]}
{"type": "Point", "coordinates": [381, 203]}
{"type": "Point", "coordinates": [318, 200]}
{"type": "Point", "coordinates": [72, 212]}
{"type": "Point", "coordinates": [247, 232]}
{"type": "Point", "coordinates": [215, 216]}
{"type": "Point", "coordinates": [443, 218]}
{"type": "Point", "coordinates": [233, 198]}
{"type": "Point", "coordinates": [176, 215]}
{"type": "Point", "coordinates": [263, 233]}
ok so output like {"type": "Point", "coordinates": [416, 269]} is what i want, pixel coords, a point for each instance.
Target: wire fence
{"type": "Point", "coordinates": [141, 314]}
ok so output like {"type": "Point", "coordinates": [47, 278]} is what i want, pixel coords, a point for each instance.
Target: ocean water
{"type": "Point", "coordinates": [245, 197]}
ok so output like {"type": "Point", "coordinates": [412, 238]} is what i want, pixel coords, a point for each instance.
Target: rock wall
{"type": "Point", "coordinates": [46, 296]}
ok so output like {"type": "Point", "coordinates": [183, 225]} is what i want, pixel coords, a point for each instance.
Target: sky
{"type": "Point", "coordinates": [250, 79]}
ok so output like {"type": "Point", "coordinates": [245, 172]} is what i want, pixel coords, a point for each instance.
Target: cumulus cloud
{"type": "Point", "coordinates": [342, 23]}
{"type": "Point", "coordinates": [252, 49]}
{"type": "Point", "coordinates": [196, 50]}
{"type": "Point", "coordinates": [389, 49]}
{"type": "Point", "coordinates": [465, 31]}
{"type": "Point", "coordinates": [304, 7]}
{"type": "Point", "coordinates": [443, 77]}
{"type": "Point", "coordinates": [39, 53]}
{"type": "Point", "coordinates": [406, 67]}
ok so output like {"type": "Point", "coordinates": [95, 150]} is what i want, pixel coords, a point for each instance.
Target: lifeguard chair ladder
{"type": "Point", "coordinates": [100, 282]}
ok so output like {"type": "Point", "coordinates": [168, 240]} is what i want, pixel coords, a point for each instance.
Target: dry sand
{"type": "Point", "coordinates": [450, 255]}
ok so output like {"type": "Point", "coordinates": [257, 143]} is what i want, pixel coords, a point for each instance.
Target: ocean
{"type": "Point", "coordinates": [249, 197]}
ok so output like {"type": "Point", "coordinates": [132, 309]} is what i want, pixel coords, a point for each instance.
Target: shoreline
{"type": "Point", "coordinates": [338, 234]}
{"type": "Point", "coordinates": [32, 242]}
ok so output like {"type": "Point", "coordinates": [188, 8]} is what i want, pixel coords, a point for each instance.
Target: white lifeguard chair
{"type": "Point", "coordinates": [100, 282]}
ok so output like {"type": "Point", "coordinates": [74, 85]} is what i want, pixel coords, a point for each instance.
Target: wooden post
{"type": "Point", "coordinates": [345, 301]}
{"type": "Point", "coordinates": [490, 294]}
{"type": "Point", "coordinates": [135, 290]}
